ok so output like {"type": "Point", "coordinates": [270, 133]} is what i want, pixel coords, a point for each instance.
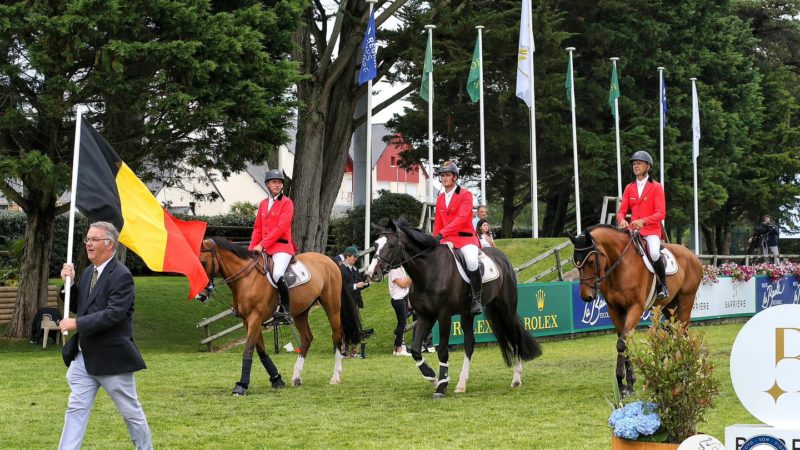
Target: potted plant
{"type": "Point", "coordinates": [679, 386]}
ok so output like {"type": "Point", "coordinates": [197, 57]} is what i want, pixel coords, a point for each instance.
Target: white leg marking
{"type": "Point", "coordinates": [517, 380]}
{"type": "Point", "coordinates": [298, 370]}
{"type": "Point", "coordinates": [337, 367]}
{"type": "Point", "coordinates": [463, 377]}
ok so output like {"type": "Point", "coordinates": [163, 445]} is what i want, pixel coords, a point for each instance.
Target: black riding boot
{"type": "Point", "coordinates": [658, 266]}
{"type": "Point", "coordinates": [283, 311]}
{"type": "Point", "coordinates": [476, 286]}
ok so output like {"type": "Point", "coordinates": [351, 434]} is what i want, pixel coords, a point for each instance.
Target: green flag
{"type": "Point", "coordinates": [427, 69]}
{"type": "Point", "coordinates": [613, 93]}
{"type": "Point", "coordinates": [474, 79]}
{"type": "Point", "coordinates": [568, 83]}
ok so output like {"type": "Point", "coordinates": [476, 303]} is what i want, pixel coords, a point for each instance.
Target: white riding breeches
{"type": "Point", "coordinates": [280, 261]}
{"type": "Point", "coordinates": [653, 246]}
{"type": "Point", "coordinates": [470, 253]}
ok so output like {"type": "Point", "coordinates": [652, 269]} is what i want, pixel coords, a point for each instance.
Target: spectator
{"type": "Point", "coordinates": [484, 234]}
{"type": "Point", "coordinates": [354, 280]}
{"type": "Point", "coordinates": [481, 214]}
{"type": "Point", "coordinates": [399, 283]}
{"type": "Point", "coordinates": [769, 233]}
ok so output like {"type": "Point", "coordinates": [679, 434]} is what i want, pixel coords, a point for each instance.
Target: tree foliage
{"type": "Point", "coordinates": [171, 85]}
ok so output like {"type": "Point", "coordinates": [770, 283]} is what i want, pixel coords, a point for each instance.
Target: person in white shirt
{"type": "Point", "coordinates": [484, 234]}
{"type": "Point", "coordinates": [399, 284]}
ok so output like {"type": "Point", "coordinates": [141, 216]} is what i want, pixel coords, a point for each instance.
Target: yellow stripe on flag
{"type": "Point", "coordinates": [143, 229]}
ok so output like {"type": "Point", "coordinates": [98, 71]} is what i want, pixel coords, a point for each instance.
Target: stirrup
{"type": "Point", "coordinates": [281, 315]}
{"type": "Point", "coordinates": [476, 307]}
{"type": "Point", "coordinates": [663, 292]}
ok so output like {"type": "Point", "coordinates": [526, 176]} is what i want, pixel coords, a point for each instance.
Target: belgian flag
{"type": "Point", "coordinates": [107, 190]}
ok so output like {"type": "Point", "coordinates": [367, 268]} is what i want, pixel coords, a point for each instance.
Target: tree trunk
{"type": "Point", "coordinates": [32, 293]}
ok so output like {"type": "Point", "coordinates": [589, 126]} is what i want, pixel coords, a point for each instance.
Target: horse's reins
{"type": "Point", "coordinates": [593, 249]}
{"type": "Point", "coordinates": [390, 260]}
{"type": "Point", "coordinates": [241, 273]}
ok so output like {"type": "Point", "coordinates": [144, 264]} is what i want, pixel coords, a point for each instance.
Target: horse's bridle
{"type": "Point", "coordinates": [598, 279]}
{"type": "Point", "coordinates": [216, 266]}
{"type": "Point", "coordinates": [399, 246]}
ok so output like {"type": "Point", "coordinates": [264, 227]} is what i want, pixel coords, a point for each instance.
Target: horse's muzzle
{"type": "Point", "coordinates": [376, 276]}
{"type": "Point", "coordinates": [206, 293]}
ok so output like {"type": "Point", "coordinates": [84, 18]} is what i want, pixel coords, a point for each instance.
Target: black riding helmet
{"type": "Point", "coordinates": [642, 155]}
{"type": "Point", "coordinates": [274, 174]}
{"type": "Point", "coordinates": [448, 167]}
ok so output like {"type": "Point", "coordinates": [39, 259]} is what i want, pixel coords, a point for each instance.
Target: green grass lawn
{"type": "Point", "coordinates": [382, 403]}
{"type": "Point", "coordinates": [520, 251]}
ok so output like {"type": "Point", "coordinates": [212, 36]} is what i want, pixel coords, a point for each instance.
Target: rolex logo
{"type": "Point", "coordinates": [540, 300]}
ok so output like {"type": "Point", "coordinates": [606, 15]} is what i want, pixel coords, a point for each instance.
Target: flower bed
{"type": "Point", "coordinates": [744, 273]}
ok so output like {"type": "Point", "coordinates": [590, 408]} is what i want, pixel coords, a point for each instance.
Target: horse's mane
{"type": "Point", "coordinates": [237, 250]}
{"type": "Point", "coordinates": [417, 236]}
{"type": "Point", "coordinates": [604, 226]}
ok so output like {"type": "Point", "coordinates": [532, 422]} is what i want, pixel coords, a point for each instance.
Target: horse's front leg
{"type": "Point", "coordinates": [301, 323]}
{"type": "Point", "coordinates": [632, 318]}
{"type": "Point", "coordinates": [467, 322]}
{"type": "Point", "coordinates": [622, 358]}
{"type": "Point", "coordinates": [274, 376]}
{"type": "Point", "coordinates": [253, 335]}
{"type": "Point", "coordinates": [444, 356]}
{"type": "Point", "coordinates": [421, 330]}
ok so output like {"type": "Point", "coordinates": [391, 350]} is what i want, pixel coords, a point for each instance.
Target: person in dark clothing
{"type": "Point", "coordinates": [769, 236]}
{"type": "Point", "coordinates": [352, 279]}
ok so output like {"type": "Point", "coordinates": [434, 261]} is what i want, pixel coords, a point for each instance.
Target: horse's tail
{"type": "Point", "coordinates": [348, 313]}
{"type": "Point", "coordinates": [512, 337]}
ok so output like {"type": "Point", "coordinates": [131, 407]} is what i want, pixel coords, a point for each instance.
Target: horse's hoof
{"type": "Point", "coordinates": [438, 395]}
{"type": "Point", "coordinates": [239, 391]}
{"type": "Point", "coordinates": [335, 381]}
{"type": "Point", "coordinates": [461, 389]}
{"type": "Point", "coordinates": [297, 382]}
{"type": "Point", "coordinates": [516, 384]}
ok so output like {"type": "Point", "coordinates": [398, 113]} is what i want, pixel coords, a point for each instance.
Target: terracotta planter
{"type": "Point", "coordinates": [625, 444]}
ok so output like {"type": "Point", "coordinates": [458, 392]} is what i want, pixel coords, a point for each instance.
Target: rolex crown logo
{"type": "Point", "coordinates": [540, 300]}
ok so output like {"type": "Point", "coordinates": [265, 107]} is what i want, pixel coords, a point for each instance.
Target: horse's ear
{"type": "Point", "coordinates": [571, 238]}
{"type": "Point", "coordinates": [377, 227]}
{"type": "Point", "coordinates": [391, 225]}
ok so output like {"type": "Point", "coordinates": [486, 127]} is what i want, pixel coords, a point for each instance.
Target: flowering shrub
{"type": "Point", "coordinates": [635, 420]}
{"type": "Point", "coordinates": [710, 274]}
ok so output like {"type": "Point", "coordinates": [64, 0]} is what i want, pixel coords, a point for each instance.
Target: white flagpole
{"type": "Point", "coordinates": [574, 142]}
{"type": "Point", "coordinates": [72, 199]}
{"type": "Point", "coordinates": [368, 189]}
{"type": "Point", "coordinates": [534, 171]}
{"type": "Point", "coordinates": [616, 125]}
{"type": "Point", "coordinates": [661, 122]}
{"type": "Point", "coordinates": [484, 197]}
{"type": "Point", "coordinates": [431, 198]}
{"type": "Point", "coordinates": [695, 153]}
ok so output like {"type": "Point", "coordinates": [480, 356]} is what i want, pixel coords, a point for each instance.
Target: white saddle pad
{"type": "Point", "coordinates": [296, 274]}
{"type": "Point", "coordinates": [670, 268]}
{"type": "Point", "coordinates": [490, 270]}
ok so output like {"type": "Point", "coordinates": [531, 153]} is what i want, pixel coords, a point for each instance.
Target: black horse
{"type": "Point", "coordinates": [438, 292]}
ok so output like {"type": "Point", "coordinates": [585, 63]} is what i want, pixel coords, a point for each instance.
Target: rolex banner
{"type": "Point", "coordinates": [543, 308]}
{"type": "Point", "coordinates": [108, 190]}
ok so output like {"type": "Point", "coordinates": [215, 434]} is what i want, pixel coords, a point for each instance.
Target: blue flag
{"type": "Point", "coordinates": [664, 99]}
{"type": "Point", "coordinates": [369, 69]}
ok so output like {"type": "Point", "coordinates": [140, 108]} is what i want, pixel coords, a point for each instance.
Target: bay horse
{"type": "Point", "coordinates": [608, 262]}
{"type": "Point", "coordinates": [255, 300]}
{"type": "Point", "coordinates": [438, 291]}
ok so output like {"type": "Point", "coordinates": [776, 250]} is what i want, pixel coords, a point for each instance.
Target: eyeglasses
{"type": "Point", "coordinates": [94, 240]}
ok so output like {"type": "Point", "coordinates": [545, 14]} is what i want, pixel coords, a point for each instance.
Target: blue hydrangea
{"type": "Point", "coordinates": [634, 420]}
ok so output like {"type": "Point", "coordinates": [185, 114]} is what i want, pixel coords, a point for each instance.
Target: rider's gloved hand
{"type": "Point", "coordinates": [438, 238]}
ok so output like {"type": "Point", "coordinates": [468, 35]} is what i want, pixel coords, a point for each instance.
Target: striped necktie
{"type": "Point", "coordinates": [94, 280]}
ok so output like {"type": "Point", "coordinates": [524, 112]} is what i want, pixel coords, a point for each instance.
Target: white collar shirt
{"type": "Point", "coordinates": [448, 196]}
{"type": "Point", "coordinates": [640, 184]}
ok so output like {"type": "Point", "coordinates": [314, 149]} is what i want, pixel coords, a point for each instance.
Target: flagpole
{"type": "Point", "coordinates": [368, 189]}
{"type": "Point", "coordinates": [616, 126]}
{"type": "Point", "coordinates": [534, 171]}
{"type": "Point", "coordinates": [431, 198]}
{"type": "Point", "coordinates": [484, 197]}
{"type": "Point", "coordinates": [695, 152]}
{"type": "Point", "coordinates": [661, 122]}
{"type": "Point", "coordinates": [72, 200]}
{"type": "Point", "coordinates": [574, 142]}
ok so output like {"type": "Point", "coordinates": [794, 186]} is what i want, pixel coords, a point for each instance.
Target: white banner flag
{"type": "Point", "coordinates": [525, 53]}
{"type": "Point", "coordinates": [695, 123]}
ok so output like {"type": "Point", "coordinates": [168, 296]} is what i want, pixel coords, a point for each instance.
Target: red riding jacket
{"type": "Point", "coordinates": [651, 207]}
{"type": "Point", "coordinates": [454, 222]}
{"type": "Point", "coordinates": [273, 228]}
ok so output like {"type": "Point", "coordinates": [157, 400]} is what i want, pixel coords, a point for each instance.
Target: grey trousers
{"type": "Point", "coordinates": [122, 390]}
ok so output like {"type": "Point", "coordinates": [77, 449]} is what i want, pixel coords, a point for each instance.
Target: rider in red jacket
{"type": "Point", "coordinates": [644, 197]}
{"type": "Point", "coordinates": [453, 224]}
{"type": "Point", "coordinates": [272, 233]}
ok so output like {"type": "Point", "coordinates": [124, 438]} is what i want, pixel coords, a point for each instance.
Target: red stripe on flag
{"type": "Point", "coordinates": [183, 247]}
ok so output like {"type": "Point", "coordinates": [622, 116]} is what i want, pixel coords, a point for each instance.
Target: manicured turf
{"type": "Point", "coordinates": [382, 402]}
